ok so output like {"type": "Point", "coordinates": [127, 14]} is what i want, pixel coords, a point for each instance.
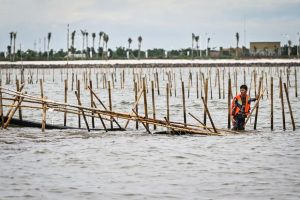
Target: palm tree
{"type": "Point", "coordinates": [289, 47]}
{"type": "Point", "coordinates": [237, 36]}
{"type": "Point", "coordinates": [83, 35]}
{"type": "Point", "coordinates": [100, 37]}
{"type": "Point", "coordinates": [197, 40]}
{"type": "Point", "coordinates": [140, 44]}
{"type": "Point", "coordinates": [208, 40]}
{"type": "Point", "coordinates": [87, 40]}
{"type": "Point", "coordinates": [72, 41]}
{"type": "Point", "coordinates": [193, 38]}
{"type": "Point", "coordinates": [11, 34]}
{"type": "Point", "coordinates": [105, 39]}
{"type": "Point", "coordinates": [93, 36]}
{"type": "Point", "coordinates": [14, 50]}
{"type": "Point", "coordinates": [49, 38]}
{"type": "Point", "coordinates": [129, 43]}
{"type": "Point", "coordinates": [103, 44]}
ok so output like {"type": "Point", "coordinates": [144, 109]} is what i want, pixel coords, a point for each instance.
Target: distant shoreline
{"type": "Point", "coordinates": [152, 63]}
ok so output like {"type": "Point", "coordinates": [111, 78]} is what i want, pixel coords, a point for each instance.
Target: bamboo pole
{"type": "Point", "coordinates": [168, 101]}
{"type": "Point", "coordinates": [256, 111]}
{"type": "Point", "coordinates": [78, 93]}
{"type": "Point", "coordinates": [110, 102]}
{"type": "Point", "coordinates": [199, 122]}
{"type": "Point", "coordinates": [145, 101]}
{"type": "Point", "coordinates": [272, 111]}
{"type": "Point", "coordinates": [72, 80]}
{"type": "Point", "coordinates": [157, 82]}
{"type": "Point", "coordinates": [44, 105]}
{"type": "Point", "coordinates": [197, 86]}
{"type": "Point", "coordinates": [153, 103]}
{"type": "Point", "coordinates": [144, 124]}
{"type": "Point", "coordinates": [205, 98]}
{"type": "Point", "coordinates": [219, 84]}
{"type": "Point", "coordinates": [92, 104]}
{"type": "Point", "coordinates": [1, 106]}
{"type": "Point", "coordinates": [98, 99]}
{"type": "Point", "coordinates": [296, 86]}
{"type": "Point", "coordinates": [82, 111]}
{"type": "Point", "coordinates": [229, 104]}
{"type": "Point", "coordinates": [290, 108]}
{"type": "Point", "coordinates": [101, 119]}
{"type": "Point", "coordinates": [223, 78]}
{"type": "Point", "coordinates": [211, 121]}
{"type": "Point", "coordinates": [282, 103]}
{"type": "Point", "coordinates": [11, 114]}
{"type": "Point", "coordinates": [183, 102]}
{"type": "Point", "coordinates": [15, 99]}
{"type": "Point", "coordinates": [66, 100]}
{"type": "Point", "coordinates": [137, 105]}
{"type": "Point", "coordinates": [211, 96]}
{"type": "Point", "coordinates": [18, 89]}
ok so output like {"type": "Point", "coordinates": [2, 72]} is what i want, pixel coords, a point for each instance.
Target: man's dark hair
{"type": "Point", "coordinates": [244, 87]}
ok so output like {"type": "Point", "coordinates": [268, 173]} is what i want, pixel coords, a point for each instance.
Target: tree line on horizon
{"type": "Point", "coordinates": [88, 52]}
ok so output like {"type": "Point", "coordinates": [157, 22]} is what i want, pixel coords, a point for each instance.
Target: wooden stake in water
{"type": "Point", "coordinates": [83, 114]}
{"type": "Point", "coordinates": [229, 104]}
{"type": "Point", "coordinates": [66, 100]}
{"type": "Point", "coordinates": [18, 89]}
{"type": "Point", "coordinates": [290, 108]}
{"type": "Point", "coordinates": [157, 82]}
{"type": "Point", "coordinates": [72, 80]}
{"type": "Point", "coordinates": [256, 111]}
{"type": "Point", "coordinates": [1, 107]}
{"type": "Point", "coordinates": [183, 103]}
{"type": "Point", "coordinates": [153, 103]}
{"type": "Point", "coordinates": [223, 77]}
{"type": "Point", "coordinates": [137, 105]}
{"type": "Point", "coordinates": [110, 104]}
{"type": "Point", "coordinates": [205, 98]}
{"type": "Point", "coordinates": [282, 103]}
{"type": "Point", "coordinates": [197, 86]}
{"type": "Point", "coordinates": [78, 94]}
{"type": "Point", "coordinates": [43, 106]}
{"type": "Point", "coordinates": [272, 111]}
{"type": "Point", "coordinates": [168, 101]}
{"type": "Point", "coordinates": [219, 84]}
{"type": "Point", "coordinates": [206, 109]}
{"type": "Point", "coordinates": [145, 102]}
{"type": "Point", "coordinates": [92, 104]}
{"type": "Point", "coordinates": [296, 87]}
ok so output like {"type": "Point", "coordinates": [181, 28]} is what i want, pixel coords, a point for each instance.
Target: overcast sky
{"type": "Point", "coordinates": [165, 24]}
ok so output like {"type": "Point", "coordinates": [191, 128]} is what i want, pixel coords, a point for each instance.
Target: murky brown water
{"type": "Point", "coordinates": [75, 164]}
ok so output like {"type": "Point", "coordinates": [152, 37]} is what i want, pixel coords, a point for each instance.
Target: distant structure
{"type": "Point", "coordinates": [265, 49]}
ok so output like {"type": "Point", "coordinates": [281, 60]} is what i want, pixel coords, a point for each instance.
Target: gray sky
{"type": "Point", "coordinates": [161, 23]}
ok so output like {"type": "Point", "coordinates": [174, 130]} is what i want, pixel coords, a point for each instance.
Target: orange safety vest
{"type": "Point", "coordinates": [235, 109]}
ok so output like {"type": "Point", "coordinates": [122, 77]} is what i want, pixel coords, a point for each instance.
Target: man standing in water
{"type": "Point", "coordinates": [240, 108]}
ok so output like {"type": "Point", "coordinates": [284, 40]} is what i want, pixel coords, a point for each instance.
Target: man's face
{"type": "Point", "coordinates": [243, 92]}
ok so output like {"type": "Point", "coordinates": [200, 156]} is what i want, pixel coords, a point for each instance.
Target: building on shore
{"type": "Point", "coordinates": [265, 49]}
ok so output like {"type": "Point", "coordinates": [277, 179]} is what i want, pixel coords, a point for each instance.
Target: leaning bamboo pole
{"type": "Point", "coordinates": [290, 108]}
{"type": "Point", "coordinates": [11, 114]}
{"type": "Point", "coordinates": [82, 111]}
{"type": "Point", "coordinates": [282, 103]}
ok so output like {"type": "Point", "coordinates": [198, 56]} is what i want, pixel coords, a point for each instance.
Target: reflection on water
{"type": "Point", "coordinates": [75, 164]}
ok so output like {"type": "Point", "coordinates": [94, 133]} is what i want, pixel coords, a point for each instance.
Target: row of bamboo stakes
{"type": "Point", "coordinates": [140, 84]}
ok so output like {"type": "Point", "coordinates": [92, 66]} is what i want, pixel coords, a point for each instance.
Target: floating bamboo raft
{"type": "Point", "coordinates": [21, 100]}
